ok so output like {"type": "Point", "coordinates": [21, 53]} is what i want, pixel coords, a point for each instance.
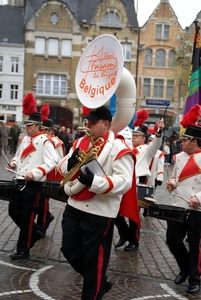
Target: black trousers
{"type": "Point", "coordinates": [129, 231]}
{"type": "Point", "coordinates": [43, 212]}
{"type": "Point", "coordinates": [86, 244]}
{"type": "Point", "coordinates": [23, 209]}
{"type": "Point", "coordinates": [188, 260]}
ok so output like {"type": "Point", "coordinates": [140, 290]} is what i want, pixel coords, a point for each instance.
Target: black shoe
{"type": "Point", "coordinates": [131, 247]}
{"type": "Point", "coordinates": [180, 278]}
{"type": "Point", "coordinates": [193, 289]}
{"type": "Point", "coordinates": [106, 287]}
{"type": "Point", "coordinates": [20, 255]}
{"type": "Point", "coordinates": [120, 242]}
{"type": "Point", "coordinates": [145, 213]}
{"type": "Point", "coordinates": [40, 235]}
{"type": "Point", "coordinates": [50, 219]}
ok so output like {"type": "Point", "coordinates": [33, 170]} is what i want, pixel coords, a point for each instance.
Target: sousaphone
{"type": "Point", "coordinates": [100, 74]}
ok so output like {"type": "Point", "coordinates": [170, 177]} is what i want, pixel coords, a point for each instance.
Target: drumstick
{"type": "Point", "coordinates": [5, 157]}
{"type": "Point", "coordinates": [10, 170]}
{"type": "Point", "coordinates": [181, 197]}
{"type": "Point", "coordinates": [167, 171]}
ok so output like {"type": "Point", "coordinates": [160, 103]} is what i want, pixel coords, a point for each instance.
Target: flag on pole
{"type": "Point", "coordinates": [194, 86]}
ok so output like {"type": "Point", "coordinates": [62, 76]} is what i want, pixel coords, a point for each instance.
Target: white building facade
{"type": "Point", "coordinates": [11, 64]}
{"type": "Point", "coordinates": [11, 82]}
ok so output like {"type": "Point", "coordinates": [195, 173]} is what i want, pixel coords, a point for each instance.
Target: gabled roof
{"type": "Point", "coordinates": [81, 9]}
{"type": "Point", "coordinates": [164, 3]}
{"type": "Point", "coordinates": [11, 24]}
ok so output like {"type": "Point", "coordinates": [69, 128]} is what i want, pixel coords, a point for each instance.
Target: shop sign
{"type": "Point", "coordinates": [157, 102]}
{"type": "Point", "coordinates": [8, 107]}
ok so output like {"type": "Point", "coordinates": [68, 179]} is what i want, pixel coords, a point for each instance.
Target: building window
{"type": "Point", "coordinates": [14, 92]}
{"type": "Point", "coordinates": [160, 58]}
{"type": "Point", "coordinates": [170, 89]}
{"type": "Point", "coordinates": [51, 85]}
{"type": "Point", "coordinates": [1, 63]}
{"type": "Point", "coordinates": [158, 88]}
{"type": "Point", "coordinates": [40, 46]}
{"type": "Point", "coordinates": [54, 19]}
{"type": "Point", "coordinates": [148, 57]}
{"type": "Point", "coordinates": [14, 64]}
{"type": "Point", "coordinates": [66, 48]}
{"type": "Point", "coordinates": [162, 32]}
{"type": "Point", "coordinates": [1, 90]}
{"type": "Point", "coordinates": [53, 47]}
{"type": "Point", "coordinates": [146, 87]}
{"type": "Point", "coordinates": [126, 51]}
{"type": "Point", "coordinates": [111, 19]}
{"type": "Point", "coordinates": [171, 60]}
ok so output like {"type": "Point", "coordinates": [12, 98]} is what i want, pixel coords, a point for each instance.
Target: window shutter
{"type": "Point", "coordinates": [40, 46]}
{"type": "Point", "coordinates": [53, 47]}
{"type": "Point", "coordinates": [66, 48]}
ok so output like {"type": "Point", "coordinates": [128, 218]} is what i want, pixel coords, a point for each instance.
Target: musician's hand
{"type": "Point", "coordinates": [86, 179]}
{"type": "Point", "coordinates": [161, 125]}
{"type": "Point", "coordinates": [11, 166]}
{"type": "Point", "coordinates": [73, 159]}
{"type": "Point", "coordinates": [29, 176]}
{"type": "Point", "coordinates": [194, 202]}
{"type": "Point", "coordinates": [170, 186]}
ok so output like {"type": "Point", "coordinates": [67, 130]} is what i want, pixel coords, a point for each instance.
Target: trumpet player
{"type": "Point", "coordinates": [94, 201]}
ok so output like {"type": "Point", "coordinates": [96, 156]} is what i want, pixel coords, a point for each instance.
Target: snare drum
{"type": "Point", "coordinates": [7, 189]}
{"type": "Point", "coordinates": [55, 191]}
{"type": "Point", "coordinates": [168, 212]}
{"type": "Point", "coordinates": [144, 190]}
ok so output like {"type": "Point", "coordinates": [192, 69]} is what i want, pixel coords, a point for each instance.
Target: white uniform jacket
{"type": "Point", "coordinates": [59, 147]}
{"type": "Point", "coordinates": [118, 164]}
{"type": "Point", "coordinates": [186, 177]}
{"type": "Point", "coordinates": [35, 154]}
{"type": "Point", "coordinates": [144, 154]}
{"type": "Point", "coordinates": [157, 168]}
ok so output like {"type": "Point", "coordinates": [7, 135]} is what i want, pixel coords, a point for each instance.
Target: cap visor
{"type": "Point", "coordinates": [92, 118]}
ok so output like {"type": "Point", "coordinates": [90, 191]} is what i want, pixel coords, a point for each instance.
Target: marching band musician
{"type": "Point", "coordinates": [34, 159]}
{"type": "Point", "coordinates": [185, 181]}
{"type": "Point", "coordinates": [156, 168]}
{"type": "Point", "coordinates": [144, 153]}
{"type": "Point", "coordinates": [88, 219]}
{"type": "Point", "coordinates": [45, 217]}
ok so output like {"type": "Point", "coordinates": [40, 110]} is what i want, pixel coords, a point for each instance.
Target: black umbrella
{"type": "Point", "coordinates": [174, 128]}
{"type": "Point", "coordinates": [171, 129]}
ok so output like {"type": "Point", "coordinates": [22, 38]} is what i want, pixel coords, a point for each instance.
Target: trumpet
{"type": "Point", "coordinates": [84, 157]}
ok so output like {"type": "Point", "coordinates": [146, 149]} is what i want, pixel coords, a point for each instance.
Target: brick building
{"type": "Point", "coordinates": [161, 79]}
{"type": "Point", "coordinates": [57, 33]}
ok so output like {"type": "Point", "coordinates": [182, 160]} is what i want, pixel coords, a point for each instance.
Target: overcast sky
{"type": "Point", "coordinates": [186, 10]}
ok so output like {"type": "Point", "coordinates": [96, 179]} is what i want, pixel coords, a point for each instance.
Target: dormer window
{"type": "Point", "coordinates": [111, 19]}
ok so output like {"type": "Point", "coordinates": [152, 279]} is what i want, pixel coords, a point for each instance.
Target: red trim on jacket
{"type": "Point", "coordinates": [129, 203]}
{"type": "Point", "coordinates": [29, 149]}
{"type": "Point", "coordinates": [122, 152]}
{"type": "Point", "coordinates": [161, 154]}
{"type": "Point", "coordinates": [111, 185]}
{"type": "Point", "coordinates": [135, 151]}
{"type": "Point", "coordinates": [190, 169]}
{"type": "Point", "coordinates": [42, 170]}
